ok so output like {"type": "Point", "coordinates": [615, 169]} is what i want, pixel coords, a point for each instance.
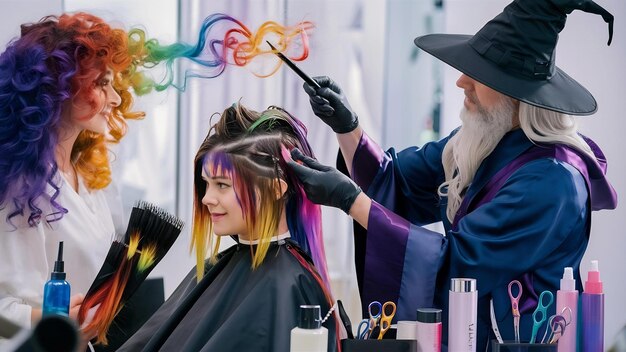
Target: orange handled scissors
{"type": "Point", "coordinates": [386, 317]}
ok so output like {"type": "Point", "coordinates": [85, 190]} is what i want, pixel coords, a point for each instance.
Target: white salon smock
{"type": "Point", "coordinates": [27, 254]}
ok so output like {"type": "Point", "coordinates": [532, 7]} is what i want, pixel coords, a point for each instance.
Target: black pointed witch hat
{"type": "Point", "coordinates": [514, 53]}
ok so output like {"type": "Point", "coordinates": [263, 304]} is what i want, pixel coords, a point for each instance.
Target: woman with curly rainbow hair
{"type": "Point", "coordinates": [64, 96]}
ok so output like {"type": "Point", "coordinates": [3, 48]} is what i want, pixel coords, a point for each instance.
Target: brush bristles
{"type": "Point", "coordinates": [162, 214]}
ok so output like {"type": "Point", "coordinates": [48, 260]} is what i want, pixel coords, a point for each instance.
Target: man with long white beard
{"type": "Point", "coordinates": [514, 186]}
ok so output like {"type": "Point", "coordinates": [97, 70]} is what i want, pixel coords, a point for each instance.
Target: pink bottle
{"type": "Point", "coordinates": [462, 315]}
{"type": "Point", "coordinates": [428, 330]}
{"type": "Point", "coordinates": [567, 296]}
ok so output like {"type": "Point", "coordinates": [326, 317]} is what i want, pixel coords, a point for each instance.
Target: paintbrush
{"type": "Point", "coordinates": [310, 81]}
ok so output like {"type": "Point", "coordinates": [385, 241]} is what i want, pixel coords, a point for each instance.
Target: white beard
{"type": "Point", "coordinates": [465, 151]}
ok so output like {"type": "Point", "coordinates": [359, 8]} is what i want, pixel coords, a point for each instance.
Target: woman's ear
{"type": "Point", "coordinates": [281, 188]}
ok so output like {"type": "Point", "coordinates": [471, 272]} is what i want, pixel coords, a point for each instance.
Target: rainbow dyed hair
{"type": "Point", "coordinates": [222, 40]}
{"type": "Point", "coordinates": [59, 59]}
{"type": "Point", "coordinates": [252, 148]}
{"type": "Point", "coordinates": [52, 63]}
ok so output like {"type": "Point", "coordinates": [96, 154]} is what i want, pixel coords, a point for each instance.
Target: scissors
{"type": "Point", "coordinates": [557, 324]}
{"type": "Point", "coordinates": [373, 322]}
{"type": "Point", "coordinates": [541, 309]}
{"type": "Point", "coordinates": [385, 319]}
{"type": "Point", "coordinates": [363, 330]}
{"type": "Point", "coordinates": [515, 307]}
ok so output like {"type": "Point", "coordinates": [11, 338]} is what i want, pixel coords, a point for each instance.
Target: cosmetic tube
{"type": "Point", "coordinates": [567, 296]}
{"type": "Point", "coordinates": [56, 292]}
{"type": "Point", "coordinates": [309, 335]}
{"type": "Point", "coordinates": [462, 315]}
{"type": "Point", "coordinates": [429, 330]}
{"type": "Point", "coordinates": [593, 311]}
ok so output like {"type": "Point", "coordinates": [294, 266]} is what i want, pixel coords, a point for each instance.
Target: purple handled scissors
{"type": "Point", "coordinates": [515, 307]}
{"type": "Point", "coordinates": [374, 306]}
{"type": "Point", "coordinates": [557, 324]}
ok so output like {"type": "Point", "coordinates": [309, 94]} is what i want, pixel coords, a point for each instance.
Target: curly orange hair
{"type": "Point", "coordinates": [99, 47]}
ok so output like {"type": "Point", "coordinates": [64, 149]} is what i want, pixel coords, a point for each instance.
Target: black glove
{"type": "Point", "coordinates": [330, 104]}
{"type": "Point", "coordinates": [323, 184]}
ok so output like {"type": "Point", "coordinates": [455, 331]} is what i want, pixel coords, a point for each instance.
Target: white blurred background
{"type": "Point", "coordinates": [403, 97]}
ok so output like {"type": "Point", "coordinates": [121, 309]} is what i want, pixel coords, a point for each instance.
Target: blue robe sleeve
{"type": "Point", "coordinates": [406, 182]}
{"type": "Point", "coordinates": [397, 260]}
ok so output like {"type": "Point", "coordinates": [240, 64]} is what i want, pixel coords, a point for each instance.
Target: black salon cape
{"type": "Point", "coordinates": [235, 308]}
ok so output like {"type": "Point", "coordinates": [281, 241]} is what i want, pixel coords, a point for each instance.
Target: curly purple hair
{"type": "Point", "coordinates": [54, 61]}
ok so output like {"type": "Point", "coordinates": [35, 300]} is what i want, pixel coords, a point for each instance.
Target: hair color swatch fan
{"type": "Point", "coordinates": [150, 234]}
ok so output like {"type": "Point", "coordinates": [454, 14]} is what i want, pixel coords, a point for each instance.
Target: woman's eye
{"type": "Point", "coordinates": [104, 82]}
{"type": "Point", "coordinates": [222, 185]}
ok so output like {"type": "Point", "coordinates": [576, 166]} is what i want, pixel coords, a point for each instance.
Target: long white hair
{"type": "Point", "coordinates": [551, 127]}
{"type": "Point", "coordinates": [482, 131]}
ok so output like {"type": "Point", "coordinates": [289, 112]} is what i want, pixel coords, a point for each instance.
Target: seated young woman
{"type": "Point", "coordinates": [247, 297]}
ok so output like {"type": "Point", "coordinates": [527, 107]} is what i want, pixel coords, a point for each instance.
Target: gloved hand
{"type": "Point", "coordinates": [323, 184]}
{"type": "Point", "coordinates": [330, 104]}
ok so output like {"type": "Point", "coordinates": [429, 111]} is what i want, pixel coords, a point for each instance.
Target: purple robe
{"type": "Point", "coordinates": [536, 222]}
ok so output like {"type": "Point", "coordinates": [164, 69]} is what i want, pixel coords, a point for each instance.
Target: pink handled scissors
{"type": "Point", "coordinates": [515, 307]}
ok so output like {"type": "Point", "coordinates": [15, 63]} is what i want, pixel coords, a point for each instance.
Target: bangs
{"type": "Point", "coordinates": [218, 164]}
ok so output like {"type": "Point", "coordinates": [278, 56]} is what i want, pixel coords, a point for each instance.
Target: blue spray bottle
{"type": "Point", "coordinates": [56, 292]}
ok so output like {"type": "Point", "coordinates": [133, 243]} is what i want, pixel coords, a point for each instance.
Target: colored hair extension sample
{"type": "Point", "coordinates": [222, 40]}
{"type": "Point", "coordinates": [252, 149]}
{"type": "Point", "coordinates": [53, 63]}
{"type": "Point", "coordinates": [108, 295]}
{"type": "Point", "coordinates": [150, 234]}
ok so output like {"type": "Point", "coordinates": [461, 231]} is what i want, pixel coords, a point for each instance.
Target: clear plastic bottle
{"type": "Point", "coordinates": [56, 292]}
{"type": "Point", "coordinates": [309, 335]}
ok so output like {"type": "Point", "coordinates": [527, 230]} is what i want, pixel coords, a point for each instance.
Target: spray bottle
{"type": "Point", "coordinates": [56, 292]}
{"type": "Point", "coordinates": [567, 296]}
{"type": "Point", "coordinates": [593, 311]}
